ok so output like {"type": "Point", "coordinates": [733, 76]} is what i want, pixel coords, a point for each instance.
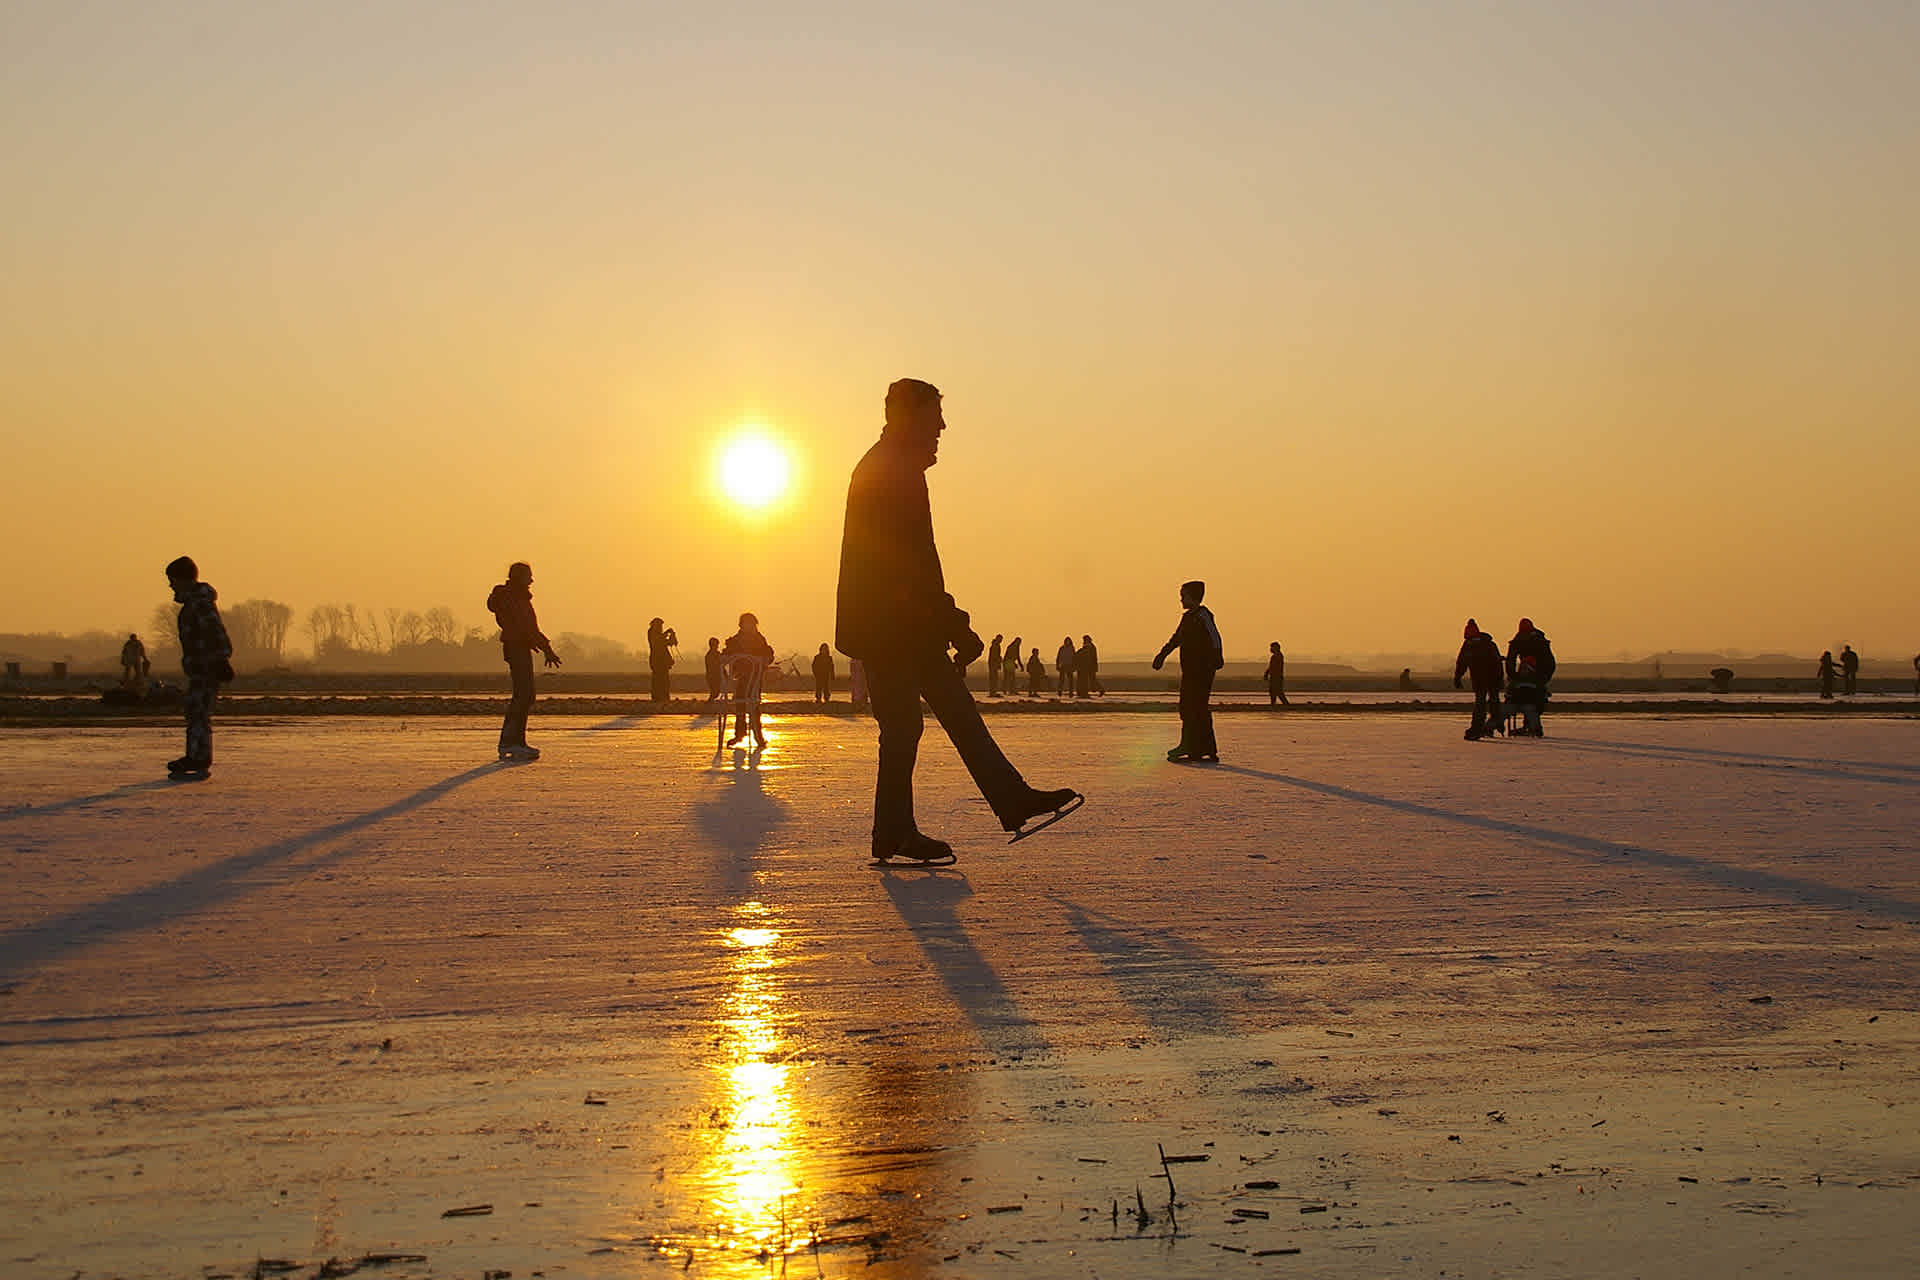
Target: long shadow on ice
{"type": "Point", "coordinates": [1813, 892]}
{"type": "Point", "coordinates": [82, 802]}
{"type": "Point", "coordinates": [1176, 987]}
{"type": "Point", "coordinates": [30, 946]}
{"type": "Point", "coordinates": [1838, 770]}
{"type": "Point", "coordinates": [738, 815]}
{"type": "Point", "coordinates": [929, 901]}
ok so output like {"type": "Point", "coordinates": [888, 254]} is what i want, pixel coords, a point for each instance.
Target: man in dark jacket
{"type": "Point", "coordinates": [1530, 666]}
{"type": "Point", "coordinates": [1849, 670]}
{"type": "Point", "coordinates": [993, 666]}
{"type": "Point", "coordinates": [1086, 668]}
{"type": "Point", "coordinates": [520, 634]}
{"type": "Point", "coordinates": [661, 640]}
{"type": "Point", "coordinates": [133, 661]}
{"type": "Point", "coordinates": [1480, 658]}
{"type": "Point", "coordinates": [1201, 656]}
{"type": "Point", "coordinates": [205, 653]}
{"type": "Point", "coordinates": [895, 615]}
{"type": "Point", "coordinates": [823, 675]}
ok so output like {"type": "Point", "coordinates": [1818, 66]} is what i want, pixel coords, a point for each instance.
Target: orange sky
{"type": "Point", "coordinates": [1373, 316]}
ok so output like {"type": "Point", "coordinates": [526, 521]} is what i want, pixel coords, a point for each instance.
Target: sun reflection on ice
{"type": "Point", "coordinates": [750, 1165]}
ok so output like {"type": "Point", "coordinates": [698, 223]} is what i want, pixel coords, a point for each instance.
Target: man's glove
{"type": "Point", "coordinates": [553, 659]}
{"type": "Point", "coordinates": [968, 648]}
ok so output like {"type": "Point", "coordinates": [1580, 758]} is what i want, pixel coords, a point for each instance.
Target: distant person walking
{"type": "Point", "coordinates": [993, 667]}
{"type": "Point", "coordinates": [1201, 657]}
{"type": "Point", "coordinates": [1827, 673]}
{"type": "Point", "coordinates": [1063, 665]}
{"type": "Point", "coordinates": [895, 614]}
{"type": "Point", "coordinates": [823, 675]}
{"type": "Point", "coordinates": [520, 634]}
{"type": "Point", "coordinates": [1010, 674]}
{"type": "Point", "coordinates": [661, 642]}
{"type": "Point", "coordinates": [133, 661]}
{"type": "Point", "coordinates": [205, 658]}
{"type": "Point", "coordinates": [716, 669]}
{"type": "Point", "coordinates": [1916, 675]}
{"type": "Point", "coordinates": [1849, 670]}
{"type": "Point", "coordinates": [1036, 675]}
{"type": "Point", "coordinates": [1407, 684]}
{"type": "Point", "coordinates": [1480, 659]}
{"type": "Point", "coordinates": [745, 648]}
{"type": "Point", "coordinates": [1276, 675]}
{"type": "Point", "coordinates": [1530, 666]}
{"type": "Point", "coordinates": [1086, 668]}
{"type": "Point", "coordinates": [857, 683]}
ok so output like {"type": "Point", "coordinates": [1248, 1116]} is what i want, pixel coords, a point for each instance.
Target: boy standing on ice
{"type": "Point", "coordinates": [895, 615]}
{"type": "Point", "coordinates": [520, 634]}
{"type": "Point", "coordinates": [204, 657]}
{"type": "Point", "coordinates": [1201, 655]}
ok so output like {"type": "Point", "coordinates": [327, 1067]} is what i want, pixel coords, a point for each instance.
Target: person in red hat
{"type": "Point", "coordinates": [1480, 659]}
{"type": "Point", "coordinates": [1530, 666]}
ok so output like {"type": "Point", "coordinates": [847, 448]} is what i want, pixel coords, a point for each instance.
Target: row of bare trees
{"type": "Point", "coordinates": [346, 628]}
{"type": "Point", "coordinates": [258, 628]}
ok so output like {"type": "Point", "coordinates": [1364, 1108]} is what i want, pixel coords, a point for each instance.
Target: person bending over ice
{"type": "Point", "coordinates": [894, 614]}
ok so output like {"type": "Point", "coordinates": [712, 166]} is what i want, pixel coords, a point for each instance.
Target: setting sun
{"type": "Point", "coordinates": [754, 471]}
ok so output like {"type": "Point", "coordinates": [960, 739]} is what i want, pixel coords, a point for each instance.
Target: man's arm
{"type": "Point", "coordinates": [1173, 642]}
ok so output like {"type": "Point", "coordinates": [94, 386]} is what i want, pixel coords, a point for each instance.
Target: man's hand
{"type": "Point", "coordinates": [553, 659]}
{"type": "Point", "coordinates": [968, 648]}
{"type": "Point", "coordinates": [1456, 682]}
{"type": "Point", "coordinates": [1159, 661]}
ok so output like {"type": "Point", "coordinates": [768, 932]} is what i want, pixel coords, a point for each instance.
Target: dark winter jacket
{"type": "Point", "coordinates": [1532, 645]}
{"type": "Point", "coordinates": [1198, 641]}
{"type": "Point", "coordinates": [659, 652]}
{"type": "Point", "coordinates": [893, 599]}
{"type": "Point", "coordinates": [1480, 658]}
{"type": "Point", "coordinates": [1063, 659]}
{"type": "Point", "coordinates": [512, 606]}
{"type": "Point", "coordinates": [1086, 659]}
{"type": "Point", "coordinates": [740, 644]}
{"type": "Point", "coordinates": [823, 666]}
{"type": "Point", "coordinates": [994, 660]}
{"type": "Point", "coordinates": [1277, 668]}
{"type": "Point", "coordinates": [132, 653]}
{"type": "Point", "coordinates": [204, 647]}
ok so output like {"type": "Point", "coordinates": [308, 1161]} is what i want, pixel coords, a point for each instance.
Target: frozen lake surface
{"type": "Point", "coordinates": [1639, 999]}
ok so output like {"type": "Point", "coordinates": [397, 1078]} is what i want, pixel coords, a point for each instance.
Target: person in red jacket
{"type": "Point", "coordinates": [894, 614]}
{"type": "Point", "coordinates": [520, 634]}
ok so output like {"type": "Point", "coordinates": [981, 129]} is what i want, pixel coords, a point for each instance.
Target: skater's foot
{"type": "Point", "coordinates": [186, 767]}
{"type": "Point", "coordinates": [1208, 757]}
{"type": "Point", "coordinates": [1179, 753]}
{"type": "Point", "coordinates": [520, 751]}
{"type": "Point", "coordinates": [915, 847]}
{"type": "Point", "coordinates": [1473, 735]}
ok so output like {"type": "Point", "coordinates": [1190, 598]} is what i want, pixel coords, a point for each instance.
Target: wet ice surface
{"type": "Point", "coordinates": [1636, 999]}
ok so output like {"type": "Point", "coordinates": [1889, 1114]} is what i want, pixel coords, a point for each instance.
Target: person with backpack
{"type": "Point", "coordinates": [1201, 657]}
{"type": "Point", "coordinates": [511, 603]}
{"type": "Point", "coordinates": [206, 659]}
{"type": "Point", "coordinates": [1530, 666]}
{"type": "Point", "coordinates": [1480, 659]}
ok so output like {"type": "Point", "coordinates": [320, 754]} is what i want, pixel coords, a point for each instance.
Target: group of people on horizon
{"type": "Point", "coordinates": [1523, 673]}
{"type": "Point", "coordinates": [1076, 669]}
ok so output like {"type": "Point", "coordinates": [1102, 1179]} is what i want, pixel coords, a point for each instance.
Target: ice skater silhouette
{"type": "Point", "coordinates": [520, 634]}
{"type": "Point", "coordinates": [895, 614]}
{"type": "Point", "coordinates": [1201, 656]}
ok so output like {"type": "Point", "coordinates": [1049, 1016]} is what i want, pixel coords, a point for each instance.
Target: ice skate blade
{"type": "Point", "coordinates": [1034, 828]}
{"type": "Point", "coordinates": [901, 862]}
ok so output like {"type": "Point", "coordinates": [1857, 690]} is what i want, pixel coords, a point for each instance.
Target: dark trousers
{"type": "Point", "coordinates": [993, 679]}
{"type": "Point", "coordinates": [1277, 694]}
{"type": "Point", "coordinates": [1083, 683]}
{"type": "Point", "coordinates": [660, 690]}
{"type": "Point", "coordinates": [199, 707]}
{"type": "Point", "coordinates": [896, 685]}
{"type": "Point", "coordinates": [1196, 714]}
{"type": "Point", "coordinates": [1848, 681]}
{"type": "Point", "coordinates": [748, 718]}
{"type": "Point", "coordinates": [1486, 708]}
{"type": "Point", "coordinates": [513, 730]}
{"type": "Point", "coordinates": [822, 689]}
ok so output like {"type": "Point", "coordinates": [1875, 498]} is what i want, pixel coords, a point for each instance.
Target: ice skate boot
{"type": "Point", "coordinates": [186, 767]}
{"type": "Point", "coordinates": [916, 849]}
{"type": "Point", "coordinates": [1038, 810]}
{"type": "Point", "coordinates": [520, 753]}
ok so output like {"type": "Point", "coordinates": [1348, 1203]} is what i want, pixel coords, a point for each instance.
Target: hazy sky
{"type": "Point", "coordinates": [1374, 315]}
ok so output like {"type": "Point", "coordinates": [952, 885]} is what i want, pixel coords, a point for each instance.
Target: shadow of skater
{"type": "Point", "coordinates": [32, 945]}
{"type": "Point", "coordinates": [1812, 892]}
{"type": "Point", "coordinates": [739, 815]}
{"type": "Point", "coordinates": [928, 901]}
{"type": "Point", "coordinates": [1174, 986]}
{"type": "Point", "coordinates": [82, 802]}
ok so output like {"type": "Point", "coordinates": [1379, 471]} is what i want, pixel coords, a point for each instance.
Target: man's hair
{"type": "Point", "coordinates": [906, 396]}
{"type": "Point", "coordinates": [184, 567]}
{"type": "Point", "coordinates": [745, 618]}
{"type": "Point", "coordinates": [519, 568]}
{"type": "Point", "coordinates": [1197, 589]}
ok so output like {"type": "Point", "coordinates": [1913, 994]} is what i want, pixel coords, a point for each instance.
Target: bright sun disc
{"type": "Point", "coordinates": [754, 471]}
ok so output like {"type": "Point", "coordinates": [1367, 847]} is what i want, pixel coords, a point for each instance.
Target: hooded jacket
{"type": "Point", "coordinates": [1480, 658]}
{"type": "Point", "coordinates": [204, 646]}
{"type": "Point", "coordinates": [512, 607]}
{"type": "Point", "coordinates": [1535, 645]}
{"type": "Point", "coordinates": [1198, 640]}
{"type": "Point", "coordinates": [893, 600]}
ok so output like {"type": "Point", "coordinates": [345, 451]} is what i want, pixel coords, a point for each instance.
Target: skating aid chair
{"type": "Point", "coordinates": [740, 693]}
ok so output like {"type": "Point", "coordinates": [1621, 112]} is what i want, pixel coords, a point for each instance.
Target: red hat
{"type": "Point", "coordinates": [1526, 625]}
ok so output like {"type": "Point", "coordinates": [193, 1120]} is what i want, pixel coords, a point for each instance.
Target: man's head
{"type": "Point", "coordinates": [1473, 629]}
{"type": "Point", "coordinates": [713, 642]}
{"type": "Point", "coordinates": [913, 415]}
{"type": "Point", "coordinates": [1526, 625]}
{"type": "Point", "coordinates": [183, 572]}
{"type": "Point", "coordinates": [749, 624]}
{"type": "Point", "coordinates": [1192, 593]}
{"type": "Point", "coordinates": [520, 573]}
{"type": "Point", "coordinates": [1274, 647]}
{"type": "Point", "coordinates": [1086, 640]}
{"type": "Point", "coordinates": [825, 650]}
{"type": "Point", "coordinates": [134, 636]}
